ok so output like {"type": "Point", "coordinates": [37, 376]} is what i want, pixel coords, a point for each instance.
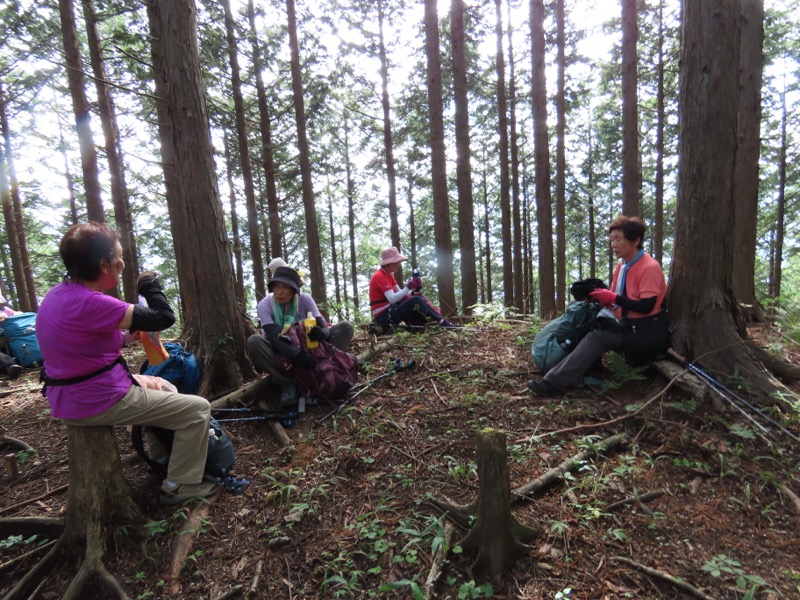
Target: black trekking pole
{"type": "Point", "coordinates": [729, 395]}
{"type": "Point", "coordinates": [286, 418]}
{"type": "Point", "coordinates": [397, 366]}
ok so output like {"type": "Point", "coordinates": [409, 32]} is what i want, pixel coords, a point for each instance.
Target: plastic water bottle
{"type": "Point", "coordinates": [309, 323]}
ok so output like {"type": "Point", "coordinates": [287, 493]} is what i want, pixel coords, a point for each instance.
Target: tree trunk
{"type": "Point", "coordinates": [631, 170]}
{"type": "Point", "coordinates": [658, 218]}
{"type": "Point", "coordinates": [496, 537]}
{"type": "Point", "coordinates": [266, 139]}
{"type": "Point", "coordinates": [705, 319]}
{"type": "Point", "coordinates": [544, 214]}
{"type": "Point", "coordinates": [561, 115]}
{"type": "Point", "coordinates": [777, 274]}
{"type": "Point", "coordinates": [99, 504]}
{"type": "Point", "coordinates": [237, 242]}
{"type": "Point", "coordinates": [745, 186]}
{"type": "Point", "coordinates": [504, 166]}
{"type": "Point", "coordinates": [10, 215]}
{"type": "Point", "coordinates": [466, 216]}
{"type": "Point", "coordinates": [116, 169]}
{"type": "Point", "coordinates": [211, 319]}
{"type": "Point", "coordinates": [388, 144]}
{"type": "Point", "coordinates": [256, 251]}
{"type": "Point", "coordinates": [516, 239]}
{"type": "Point", "coordinates": [80, 108]}
{"type": "Point", "coordinates": [441, 204]}
{"type": "Point", "coordinates": [351, 230]}
{"type": "Point", "coordinates": [312, 232]}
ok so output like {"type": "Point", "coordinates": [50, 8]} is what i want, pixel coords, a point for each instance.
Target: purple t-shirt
{"type": "Point", "coordinates": [78, 335]}
{"type": "Point", "coordinates": [305, 305]}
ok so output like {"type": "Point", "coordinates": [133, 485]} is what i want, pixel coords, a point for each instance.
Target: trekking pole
{"type": "Point", "coordinates": [729, 395]}
{"type": "Point", "coordinates": [283, 416]}
{"type": "Point", "coordinates": [397, 366]}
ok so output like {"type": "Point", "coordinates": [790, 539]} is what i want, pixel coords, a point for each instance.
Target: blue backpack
{"type": "Point", "coordinates": [560, 336]}
{"type": "Point", "coordinates": [20, 331]}
{"type": "Point", "coordinates": [180, 369]}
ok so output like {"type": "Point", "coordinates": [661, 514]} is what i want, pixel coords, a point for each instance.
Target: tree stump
{"type": "Point", "coordinates": [99, 504]}
{"type": "Point", "coordinates": [496, 537]}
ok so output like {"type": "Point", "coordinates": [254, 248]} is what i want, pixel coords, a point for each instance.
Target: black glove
{"type": "Point", "coordinates": [318, 334]}
{"type": "Point", "coordinates": [301, 360]}
{"type": "Point", "coordinates": [147, 282]}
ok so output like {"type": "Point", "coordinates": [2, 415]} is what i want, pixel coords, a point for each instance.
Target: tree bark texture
{"type": "Point", "coordinates": [466, 215]}
{"type": "Point", "coordinates": [631, 169]}
{"type": "Point", "coordinates": [544, 213]}
{"type": "Point", "coordinates": [745, 187]}
{"type": "Point", "coordinates": [657, 250]}
{"type": "Point", "coordinates": [318, 290]}
{"type": "Point", "coordinates": [211, 319]}
{"type": "Point", "coordinates": [441, 202]}
{"type": "Point", "coordinates": [561, 161]}
{"type": "Point", "coordinates": [80, 108]}
{"type": "Point", "coordinates": [516, 238]}
{"type": "Point", "coordinates": [705, 319]}
{"type": "Point", "coordinates": [237, 242]}
{"type": "Point", "coordinates": [496, 538]}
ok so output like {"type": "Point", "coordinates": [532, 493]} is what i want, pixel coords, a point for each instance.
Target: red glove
{"type": "Point", "coordinates": [604, 297]}
{"type": "Point", "coordinates": [414, 284]}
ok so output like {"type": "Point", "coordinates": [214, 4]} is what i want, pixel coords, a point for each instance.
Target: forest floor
{"type": "Point", "coordinates": [346, 511]}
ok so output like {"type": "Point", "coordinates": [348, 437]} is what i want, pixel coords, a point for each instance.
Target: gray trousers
{"type": "Point", "coordinates": [262, 354]}
{"type": "Point", "coordinates": [187, 415]}
{"type": "Point", "coordinates": [569, 371]}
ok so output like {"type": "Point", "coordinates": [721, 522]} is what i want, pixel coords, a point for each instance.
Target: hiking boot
{"type": "Point", "coordinates": [289, 394]}
{"type": "Point", "coordinates": [544, 388]}
{"type": "Point", "coordinates": [176, 494]}
{"type": "Point", "coordinates": [445, 324]}
{"type": "Point", "coordinates": [13, 371]}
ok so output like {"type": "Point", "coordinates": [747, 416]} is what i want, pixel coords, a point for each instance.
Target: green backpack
{"type": "Point", "coordinates": [560, 336]}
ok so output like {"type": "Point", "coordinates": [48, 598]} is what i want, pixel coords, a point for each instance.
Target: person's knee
{"type": "Point", "coordinates": [255, 340]}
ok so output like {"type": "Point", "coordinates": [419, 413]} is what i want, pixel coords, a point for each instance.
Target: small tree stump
{"type": "Point", "coordinates": [496, 537]}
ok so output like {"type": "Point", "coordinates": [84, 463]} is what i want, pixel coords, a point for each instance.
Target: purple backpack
{"type": "Point", "coordinates": [334, 372]}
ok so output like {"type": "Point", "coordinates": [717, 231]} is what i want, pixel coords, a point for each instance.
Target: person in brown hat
{"type": "Point", "coordinates": [391, 305]}
{"type": "Point", "coordinates": [284, 306]}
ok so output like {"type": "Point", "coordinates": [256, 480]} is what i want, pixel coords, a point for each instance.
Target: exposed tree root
{"type": "Point", "coordinates": [23, 557]}
{"type": "Point", "coordinates": [782, 369]}
{"type": "Point", "coordinates": [681, 585]}
{"type": "Point", "coordinates": [184, 542]}
{"type": "Point", "coordinates": [438, 562]}
{"type": "Point", "coordinates": [49, 527]}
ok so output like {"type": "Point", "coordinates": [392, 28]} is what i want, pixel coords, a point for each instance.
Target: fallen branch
{"type": "Point", "coordinates": [52, 492]}
{"type": "Point", "coordinates": [246, 392]}
{"type": "Point", "coordinates": [10, 563]}
{"type": "Point", "coordinates": [438, 562]}
{"type": "Point", "coordinates": [251, 591]}
{"type": "Point", "coordinates": [184, 542]}
{"type": "Point", "coordinates": [557, 473]}
{"type": "Point", "coordinates": [231, 593]}
{"type": "Point", "coordinates": [792, 496]}
{"type": "Point", "coordinates": [681, 585]}
{"type": "Point", "coordinates": [638, 499]}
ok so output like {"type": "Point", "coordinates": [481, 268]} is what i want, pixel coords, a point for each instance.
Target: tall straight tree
{"type": "Point", "coordinates": [80, 108]}
{"type": "Point", "coordinates": [705, 318]}
{"type": "Point", "coordinates": [312, 232]}
{"type": "Point", "coordinates": [544, 213]}
{"type": "Point", "coordinates": [265, 125]}
{"type": "Point", "coordinates": [388, 144]}
{"type": "Point", "coordinates": [776, 278]}
{"type": "Point", "coordinates": [256, 251]}
{"type": "Point", "coordinates": [441, 203]}
{"type": "Point", "coordinates": [505, 182]}
{"type": "Point", "coordinates": [516, 217]}
{"type": "Point", "coordinates": [745, 187]}
{"type": "Point", "coordinates": [237, 242]}
{"type": "Point", "coordinates": [15, 225]}
{"type": "Point", "coordinates": [466, 216]}
{"type": "Point", "coordinates": [561, 110]}
{"type": "Point", "coordinates": [658, 217]}
{"type": "Point", "coordinates": [211, 321]}
{"type": "Point", "coordinates": [116, 170]}
{"type": "Point", "coordinates": [631, 169]}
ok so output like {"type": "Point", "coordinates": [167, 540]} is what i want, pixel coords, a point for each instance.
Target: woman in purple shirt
{"type": "Point", "coordinates": [80, 332]}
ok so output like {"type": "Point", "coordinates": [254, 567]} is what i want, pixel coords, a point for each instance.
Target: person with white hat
{"type": "Point", "coordinates": [391, 305]}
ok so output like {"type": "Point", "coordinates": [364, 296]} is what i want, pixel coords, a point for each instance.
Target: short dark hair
{"type": "Point", "coordinates": [632, 228]}
{"type": "Point", "coordinates": [84, 246]}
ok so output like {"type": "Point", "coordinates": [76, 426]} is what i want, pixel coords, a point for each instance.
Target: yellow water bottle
{"type": "Point", "coordinates": [310, 322]}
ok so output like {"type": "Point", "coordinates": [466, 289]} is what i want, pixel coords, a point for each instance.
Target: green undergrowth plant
{"type": "Point", "coordinates": [621, 372]}
{"type": "Point", "coordinates": [723, 566]}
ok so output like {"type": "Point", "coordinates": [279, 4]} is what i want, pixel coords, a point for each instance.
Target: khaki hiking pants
{"type": "Point", "coordinates": [187, 415]}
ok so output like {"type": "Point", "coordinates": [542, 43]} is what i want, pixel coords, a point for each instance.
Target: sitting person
{"type": "Point", "coordinates": [391, 305]}
{"type": "Point", "coordinates": [8, 365]}
{"type": "Point", "coordinates": [637, 291]}
{"type": "Point", "coordinates": [87, 383]}
{"type": "Point", "coordinates": [284, 306]}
